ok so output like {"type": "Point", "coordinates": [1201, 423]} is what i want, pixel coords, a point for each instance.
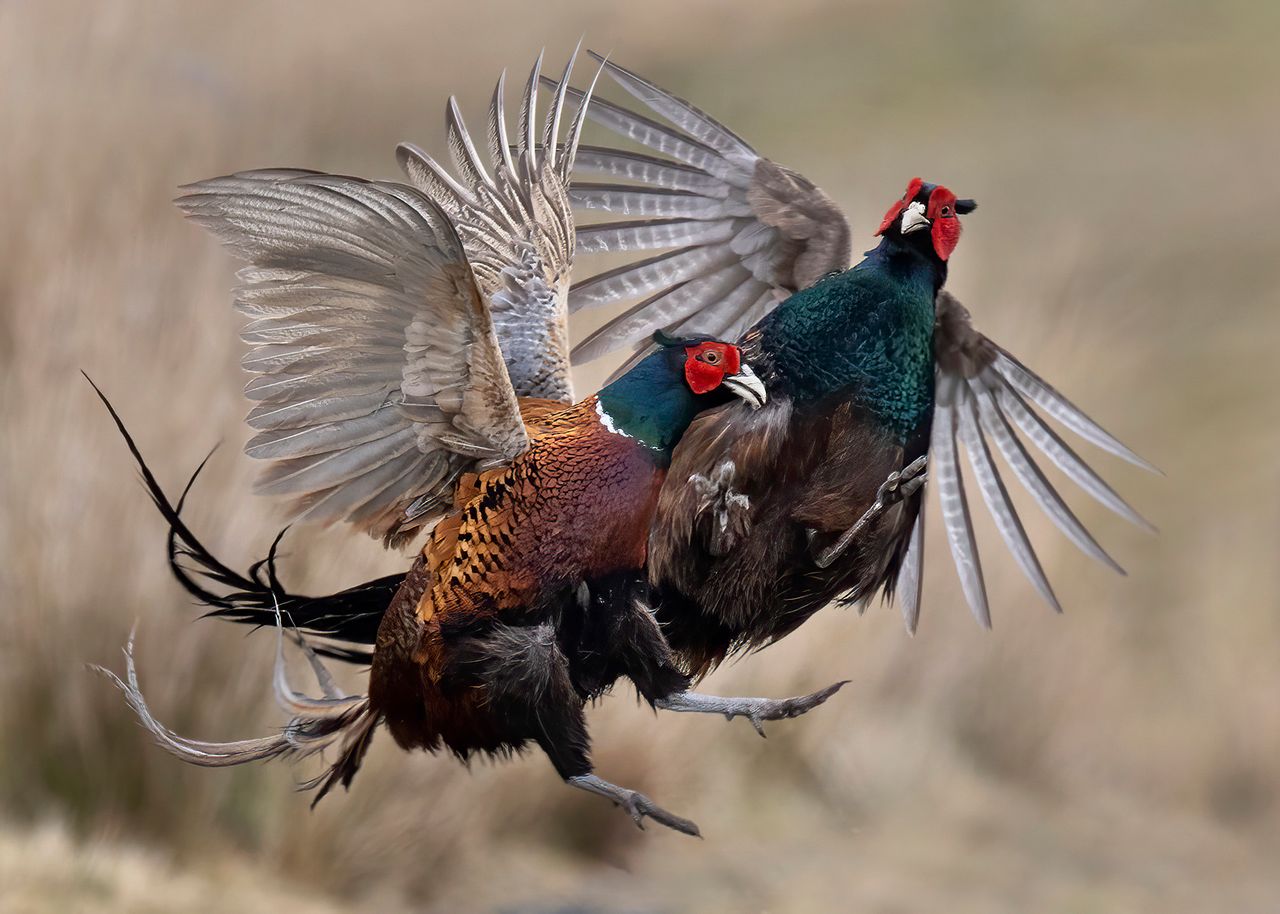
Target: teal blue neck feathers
{"type": "Point", "coordinates": [866, 333]}
{"type": "Point", "coordinates": [652, 403]}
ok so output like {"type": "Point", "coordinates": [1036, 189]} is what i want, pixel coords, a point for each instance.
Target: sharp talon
{"type": "Point", "coordinates": [912, 486]}
{"type": "Point", "coordinates": [823, 694]}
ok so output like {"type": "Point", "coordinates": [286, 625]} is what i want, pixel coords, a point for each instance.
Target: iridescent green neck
{"type": "Point", "coordinates": [867, 334]}
{"type": "Point", "coordinates": [650, 403]}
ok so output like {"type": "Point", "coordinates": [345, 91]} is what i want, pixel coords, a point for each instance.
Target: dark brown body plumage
{"type": "Point", "coordinates": [729, 583]}
{"type": "Point", "coordinates": [748, 539]}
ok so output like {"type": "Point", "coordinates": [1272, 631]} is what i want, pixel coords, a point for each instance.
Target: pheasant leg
{"type": "Point", "coordinates": [755, 710]}
{"type": "Point", "coordinates": [899, 486]}
{"type": "Point", "coordinates": [634, 804]}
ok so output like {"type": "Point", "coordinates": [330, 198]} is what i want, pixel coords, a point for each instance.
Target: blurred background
{"type": "Point", "coordinates": [1123, 757]}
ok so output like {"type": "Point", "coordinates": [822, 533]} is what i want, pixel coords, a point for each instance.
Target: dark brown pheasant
{"type": "Point", "coordinates": [871, 370]}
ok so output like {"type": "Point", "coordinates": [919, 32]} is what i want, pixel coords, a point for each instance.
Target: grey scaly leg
{"type": "Point", "coordinates": [635, 804]}
{"type": "Point", "coordinates": [900, 485]}
{"type": "Point", "coordinates": [755, 710]}
{"type": "Point", "coordinates": [526, 675]}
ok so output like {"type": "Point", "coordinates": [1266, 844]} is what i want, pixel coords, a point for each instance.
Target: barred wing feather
{"type": "Point", "coordinates": [716, 236]}
{"type": "Point", "coordinates": [516, 223]}
{"type": "Point", "coordinates": [982, 394]}
{"type": "Point", "coordinates": [736, 232]}
{"type": "Point", "coordinates": [378, 373]}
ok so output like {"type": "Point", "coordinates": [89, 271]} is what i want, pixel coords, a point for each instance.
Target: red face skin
{"type": "Point", "coordinates": [940, 211]}
{"type": "Point", "coordinates": [899, 205]}
{"type": "Point", "coordinates": [707, 364]}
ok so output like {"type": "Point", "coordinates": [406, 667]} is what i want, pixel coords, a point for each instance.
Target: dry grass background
{"type": "Point", "coordinates": [1121, 758]}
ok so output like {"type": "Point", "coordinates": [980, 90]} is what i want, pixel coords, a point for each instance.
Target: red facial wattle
{"type": "Point", "coordinates": [704, 376]}
{"type": "Point", "coordinates": [895, 211]}
{"type": "Point", "coordinates": [944, 224]}
{"type": "Point", "coordinates": [945, 227]}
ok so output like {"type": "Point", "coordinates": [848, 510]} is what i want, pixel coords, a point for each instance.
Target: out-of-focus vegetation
{"type": "Point", "coordinates": [1120, 758]}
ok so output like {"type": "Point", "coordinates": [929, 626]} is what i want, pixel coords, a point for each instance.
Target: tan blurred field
{"type": "Point", "coordinates": [1124, 757]}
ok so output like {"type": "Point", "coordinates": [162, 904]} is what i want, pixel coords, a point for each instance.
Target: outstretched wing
{"type": "Point", "coordinates": [737, 233]}
{"type": "Point", "coordinates": [378, 371]}
{"type": "Point", "coordinates": [982, 394]}
{"type": "Point", "coordinates": [517, 227]}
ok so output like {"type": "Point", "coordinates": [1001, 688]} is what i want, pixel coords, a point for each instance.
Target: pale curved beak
{"type": "Point", "coordinates": [913, 218]}
{"type": "Point", "coordinates": [747, 385]}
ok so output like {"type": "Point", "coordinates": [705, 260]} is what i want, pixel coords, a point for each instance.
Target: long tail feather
{"type": "Point", "coordinates": [317, 724]}
{"type": "Point", "coordinates": [350, 617]}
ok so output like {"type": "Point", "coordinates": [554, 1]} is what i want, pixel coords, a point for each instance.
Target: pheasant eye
{"type": "Point", "coordinates": [946, 211]}
{"type": "Point", "coordinates": [711, 358]}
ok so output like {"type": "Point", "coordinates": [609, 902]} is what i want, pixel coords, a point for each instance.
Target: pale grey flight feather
{"type": "Point", "coordinates": [379, 373]}
{"type": "Point", "coordinates": [516, 223]}
{"type": "Point", "coordinates": [719, 235]}
{"type": "Point", "coordinates": [910, 581]}
{"type": "Point", "coordinates": [979, 395]}
{"type": "Point", "coordinates": [956, 520]}
{"type": "Point", "coordinates": [394, 327]}
{"type": "Point", "coordinates": [704, 189]}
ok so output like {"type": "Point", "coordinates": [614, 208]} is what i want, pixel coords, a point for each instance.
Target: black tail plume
{"type": "Point", "coordinates": [349, 617]}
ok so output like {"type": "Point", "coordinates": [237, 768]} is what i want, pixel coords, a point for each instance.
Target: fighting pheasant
{"type": "Point", "coordinates": [412, 371]}
{"type": "Point", "coordinates": [872, 373]}
{"type": "Point", "coordinates": [769, 515]}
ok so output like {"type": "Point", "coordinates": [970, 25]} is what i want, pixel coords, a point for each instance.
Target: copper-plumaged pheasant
{"type": "Point", "coordinates": [412, 377]}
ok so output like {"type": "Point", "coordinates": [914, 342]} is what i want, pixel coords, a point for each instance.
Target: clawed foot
{"type": "Point", "coordinates": [726, 512]}
{"type": "Point", "coordinates": [904, 483]}
{"type": "Point", "coordinates": [755, 710]}
{"type": "Point", "coordinates": [635, 804]}
{"type": "Point", "coordinates": [900, 485]}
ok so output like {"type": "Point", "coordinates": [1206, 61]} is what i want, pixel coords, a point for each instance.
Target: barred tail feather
{"type": "Point", "coordinates": [317, 724]}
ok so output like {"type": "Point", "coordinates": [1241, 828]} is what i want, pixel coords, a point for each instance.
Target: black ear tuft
{"type": "Point", "coordinates": [666, 340]}
{"type": "Point", "coordinates": [964, 207]}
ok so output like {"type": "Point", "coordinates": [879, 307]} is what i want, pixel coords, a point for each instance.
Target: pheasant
{"type": "Point", "coordinates": [873, 374]}
{"type": "Point", "coordinates": [412, 375]}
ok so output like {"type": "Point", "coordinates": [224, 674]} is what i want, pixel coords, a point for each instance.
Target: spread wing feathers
{"type": "Point", "coordinates": [982, 394]}
{"type": "Point", "coordinates": [378, 372]}
{"type": "Point", "coordinates": [516, 222]}
{"type": "Point", "coordinates": [738, 232]}
{"type": "Point", "coordinates": [910, 581]}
